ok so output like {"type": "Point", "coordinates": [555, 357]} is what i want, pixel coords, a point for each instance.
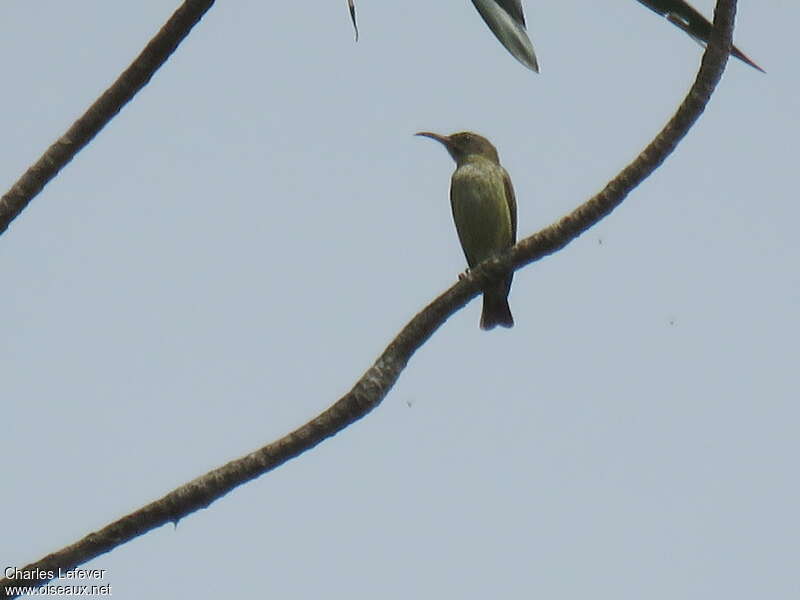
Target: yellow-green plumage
{"type": "Point", "coordinates": [480, 211]}
{"type": "Point", "coordinates": [484, 212]}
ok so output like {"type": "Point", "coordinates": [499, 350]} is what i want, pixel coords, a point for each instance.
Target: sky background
{"type": "Point", "coordinates": [231, 253]}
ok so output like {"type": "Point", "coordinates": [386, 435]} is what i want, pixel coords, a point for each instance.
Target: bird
{"type": "Point", "coordinates": [687, 18]}
{"type": "Point", "coordinates": [484, 211]}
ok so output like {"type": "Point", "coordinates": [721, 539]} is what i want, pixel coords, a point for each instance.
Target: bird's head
{"type": "Point", "coordinates": [464, 144]}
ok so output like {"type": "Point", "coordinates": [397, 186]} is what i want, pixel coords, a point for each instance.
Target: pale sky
{"type": "Point", "coordinates": [239, 244]}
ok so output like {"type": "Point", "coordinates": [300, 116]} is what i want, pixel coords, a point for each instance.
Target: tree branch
{"type": "Point", "coordinates": [373, 386]}
{"type": "Point", "coordinates": [105, 108]}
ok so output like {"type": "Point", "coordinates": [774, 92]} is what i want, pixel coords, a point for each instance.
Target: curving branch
{"type": "Point", "coordinates": [373, 386]}
{"type": "Point", "coordinates": [105, 108]}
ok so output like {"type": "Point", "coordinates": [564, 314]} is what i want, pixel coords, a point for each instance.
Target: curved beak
{"type": "Point", "coordinates": [434, 136]}
{"type": "Point", "coordinates": [442, 139]}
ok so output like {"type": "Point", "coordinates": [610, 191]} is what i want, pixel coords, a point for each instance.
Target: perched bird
{"type": "Point", "coordinates": [507, 22]}
{"type": "Point", "coordinates": [685, 17]}
{"type": "Point", "coordinates": [484, 211]}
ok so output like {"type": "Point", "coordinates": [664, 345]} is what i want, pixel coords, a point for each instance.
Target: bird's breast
{"type": "Point", "coordinates": [480, 210]}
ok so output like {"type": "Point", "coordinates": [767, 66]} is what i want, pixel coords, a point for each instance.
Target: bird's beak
{"type": "Point", "coordinates": [442, 139]}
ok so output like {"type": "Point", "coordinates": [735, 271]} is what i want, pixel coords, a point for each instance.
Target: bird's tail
{"type": "Point", "coordinates": [495, 308]}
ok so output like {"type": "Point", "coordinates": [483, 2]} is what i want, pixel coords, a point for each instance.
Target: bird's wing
{"type": "Point", "coordinates": [511, 200]}
{"type": "Point", "coordinates": [687, 18]}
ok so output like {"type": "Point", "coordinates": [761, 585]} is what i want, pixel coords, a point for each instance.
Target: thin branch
{"type": "Point", "coordinates": [105, 108]}
{"type": "Point", "coordinates": [373, 386]}
{"type": "Point", "coordinates": [558, 235]}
